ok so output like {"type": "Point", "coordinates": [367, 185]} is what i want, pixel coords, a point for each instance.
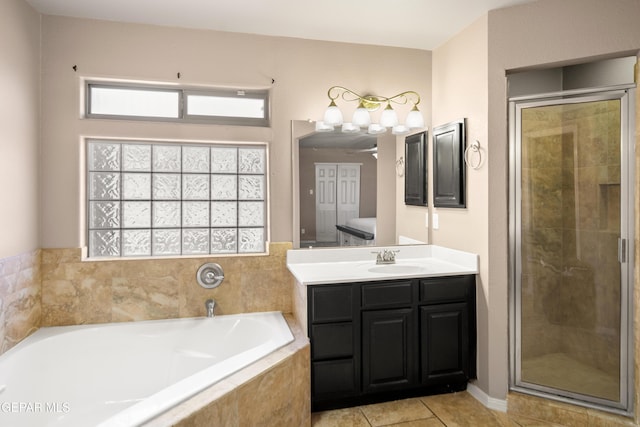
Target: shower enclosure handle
{"type": "Point", "coordinates": [622, 250]}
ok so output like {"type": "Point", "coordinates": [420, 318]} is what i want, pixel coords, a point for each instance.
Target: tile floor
{"type": "Point", "coordinates": [450, 410]}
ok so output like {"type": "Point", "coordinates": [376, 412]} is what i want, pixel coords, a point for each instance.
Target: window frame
{"type": "Point", "coordinates": [183, 94]}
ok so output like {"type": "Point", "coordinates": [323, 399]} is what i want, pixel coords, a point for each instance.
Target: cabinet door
{"type": "Point", "coordinates": [448, 164]}
{"type": "Point", "coordinates": [415, 177]}
{"type": "Point", "coordinates": [444, 343]}
{"type": "Point", "coordinates": [388, 361]}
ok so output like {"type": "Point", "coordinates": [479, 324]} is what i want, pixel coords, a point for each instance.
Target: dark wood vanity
{"type": "Point", "coordinates": [382, 340]}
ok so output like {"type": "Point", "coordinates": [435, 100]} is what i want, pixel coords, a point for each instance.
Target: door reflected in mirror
{"type": "Point", "coordinates": [338, 190]}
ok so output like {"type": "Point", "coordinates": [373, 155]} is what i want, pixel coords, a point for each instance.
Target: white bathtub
{"type": "Point", "coordinates": [122, 374]}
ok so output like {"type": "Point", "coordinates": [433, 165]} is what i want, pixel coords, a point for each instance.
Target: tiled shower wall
{"type": "Point", "coordinates": [51, 287]}
{"type": "Point", "coordinates": [573, 228]}
{"type": "Point", "coordinates": [20, 291]}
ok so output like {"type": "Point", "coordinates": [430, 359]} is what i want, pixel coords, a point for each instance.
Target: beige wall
{"type": "Point", "coordinates": [538, 34]}
{"type": "Point", "coordinates": [19, 127]}
{"type": "Point", "coordinates": [303, 71]}
{"type": "Point", "coordinates": [386, 221]}
{"type": "Point", "coordinates": [20, 309]}
{"type": "Point", "coordinates": [460, 91]}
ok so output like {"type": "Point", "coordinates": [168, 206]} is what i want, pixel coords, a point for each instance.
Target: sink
{"type": "Point", "coordinates": [397, 269]}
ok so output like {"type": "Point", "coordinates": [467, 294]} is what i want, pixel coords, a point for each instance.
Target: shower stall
{"type": "Point", "coordinates": [571, 231]}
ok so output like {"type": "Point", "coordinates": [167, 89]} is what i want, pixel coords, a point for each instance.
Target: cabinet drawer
{"type": "Point", "coordinates": [333, 378]}
{"type": "Point", "coordinates": [331, 340]}
{"type": "Point", "coordinates": [446, 289]}
{"type": "Point", "coordinates": [331, 303]}
{"type": "Point", "coordinates": [388, 294]}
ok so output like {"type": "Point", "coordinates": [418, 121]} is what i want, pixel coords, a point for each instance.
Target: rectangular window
{"type": "Point", "coordinates": [229, 106]}
{"type": "Point", "coordinates": [123, 101]}
{"type": "Point", "coordinates": [167, 199]}
{"type": "Point", "coordinates": [143, 102]}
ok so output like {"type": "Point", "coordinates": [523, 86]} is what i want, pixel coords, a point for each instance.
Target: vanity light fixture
{"type": "Point", "coordinates": [366, 104]}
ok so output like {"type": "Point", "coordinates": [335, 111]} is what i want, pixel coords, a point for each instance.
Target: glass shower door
{"type": "Point", "coordinates": [571, 225]}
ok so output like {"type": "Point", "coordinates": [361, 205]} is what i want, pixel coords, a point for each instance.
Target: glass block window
{"type": "Point", "coordinates": [164, 199]}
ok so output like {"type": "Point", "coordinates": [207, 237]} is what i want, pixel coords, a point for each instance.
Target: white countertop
{"type": "Point", "coordinates": [340, 265]}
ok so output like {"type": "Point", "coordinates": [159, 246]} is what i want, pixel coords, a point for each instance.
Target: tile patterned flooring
{"type": "Point", "coordinates": [450, 410]}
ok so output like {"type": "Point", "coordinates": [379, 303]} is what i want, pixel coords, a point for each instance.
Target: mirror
{"type": "Point", "coordinates": [344, 188]}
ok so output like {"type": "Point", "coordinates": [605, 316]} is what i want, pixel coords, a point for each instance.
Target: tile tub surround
{"type": "Point", "coordinates": [273, 391]}
{"type": "Point", "coordinates": [79, 292]}
{"type": "Point", "coordinates": [20, 308]}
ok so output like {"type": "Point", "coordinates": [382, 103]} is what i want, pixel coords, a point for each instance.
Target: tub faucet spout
{"type": "Point", "coordinates": [210, 305]}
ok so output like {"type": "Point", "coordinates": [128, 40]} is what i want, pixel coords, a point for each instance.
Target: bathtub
{"type": "Point", "coordinates": [123, 374]}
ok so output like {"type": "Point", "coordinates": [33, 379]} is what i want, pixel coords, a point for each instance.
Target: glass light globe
{"type": "Point", "coordinates": [375, 129]}
{"type": "Point", "coordinates": [333, 115]}
{"type": "Point", "coordinates": [415, 119]}
{"type": "Point", "coordinates": [361, 116]}
{"type": "Point", "coordinates": [400, 130]}
{"type": "Point", "coordinates": [350, 128]}
{"type": "Point", "coordinates": [323, 127]}
{"type": "Point", "coordinates": [388, 118]}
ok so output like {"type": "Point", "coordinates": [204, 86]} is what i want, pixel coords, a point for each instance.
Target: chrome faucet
{"type": "Point", "coordinates": [386, 256]}
{"type": "Point", "coordinates": [210, 305]}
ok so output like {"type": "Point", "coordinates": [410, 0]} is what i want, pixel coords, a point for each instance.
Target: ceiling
{"type": "Point", "coordinates": [419, 24]}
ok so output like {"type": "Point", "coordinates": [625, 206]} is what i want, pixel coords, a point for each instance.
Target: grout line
{"type": "Point", "coordinates": [510, 420]}
{"type": "Point", "coordinates": [434, 413]}
{"type": "Point", "coordinates": [365, 416]}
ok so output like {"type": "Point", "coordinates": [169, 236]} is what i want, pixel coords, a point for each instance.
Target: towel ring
{"type": "Point", "coordinates": [400, 166]}
{"type": "Point", "coordinates": [474, 147]}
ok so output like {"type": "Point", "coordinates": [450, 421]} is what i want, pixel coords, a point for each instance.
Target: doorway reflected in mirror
{"type": "Point", "coordinates": [338, 187]}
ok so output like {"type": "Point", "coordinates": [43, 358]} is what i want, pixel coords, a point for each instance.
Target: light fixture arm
{"type": "Point", "coordinates": [372, 102]}
{"type": "Point", "coordinates": [367, 104]}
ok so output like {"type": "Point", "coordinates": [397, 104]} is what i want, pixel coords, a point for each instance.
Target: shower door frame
{"type": "Point", "coordinates": [626, 95]}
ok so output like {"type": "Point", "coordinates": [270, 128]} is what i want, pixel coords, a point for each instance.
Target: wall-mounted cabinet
{"type": "Point", "coordinates": [449, 172]}
{"type": "Point", "coordinates": [415, 174]}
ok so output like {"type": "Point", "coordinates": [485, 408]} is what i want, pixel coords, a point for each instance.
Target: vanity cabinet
{"type": "Point", "coordinates": [447, 331]}
{"type": "Point", "coordinates": [373, 341]}
{"type": "Point", "coordinates": [333, 357]}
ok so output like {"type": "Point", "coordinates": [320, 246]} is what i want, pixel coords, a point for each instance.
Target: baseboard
{"type": "Point", "coordinates": [488, 401]}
